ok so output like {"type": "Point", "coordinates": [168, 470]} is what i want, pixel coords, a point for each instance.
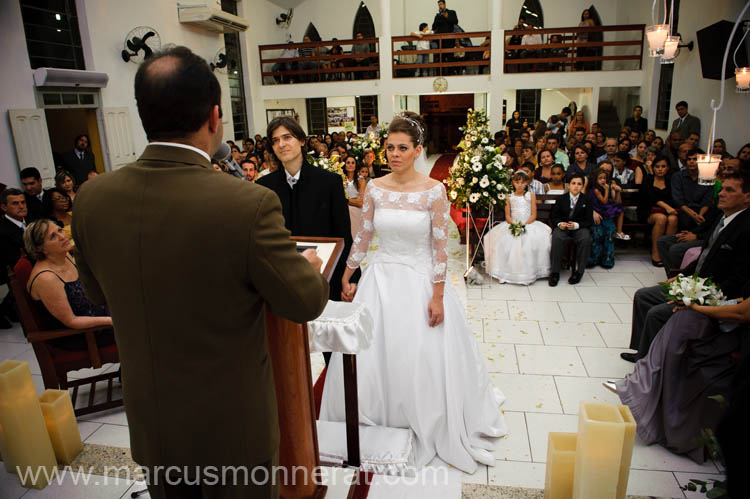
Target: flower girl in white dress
{"type": "Point", "coordinates": [423, 370]}
{"type": "Point", "coordinates": [522, 258]}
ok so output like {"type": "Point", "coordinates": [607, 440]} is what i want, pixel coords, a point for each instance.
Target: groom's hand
{"type": "Point", "coordinates": [312, 256]}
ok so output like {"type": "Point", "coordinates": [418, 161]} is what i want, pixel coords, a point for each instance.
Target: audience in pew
{"type": "Point", "coordinates": [723, 258]}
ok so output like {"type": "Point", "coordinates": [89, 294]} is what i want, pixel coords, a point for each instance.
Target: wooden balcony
{"type": "Point", "coordinates": [449, 54]}
{"type": "Point", "coordinates": [321, 65]}
{"type": "Point", "coordinates": [573, 49]}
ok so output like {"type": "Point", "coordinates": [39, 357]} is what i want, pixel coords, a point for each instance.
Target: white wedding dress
{"type": "Point", "coordinates": [432, 380]}
{"type": "Point", "coordinates": [522, 259]}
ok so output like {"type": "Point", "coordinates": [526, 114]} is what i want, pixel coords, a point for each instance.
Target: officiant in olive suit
{"type": "Point", "coordinates": [186, 286]}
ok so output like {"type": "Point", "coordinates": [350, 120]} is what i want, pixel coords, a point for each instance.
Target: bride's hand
{"type": "Point", "coordinates": [348, 290]}
{"type": "Point", "coordinates": [435, 311]}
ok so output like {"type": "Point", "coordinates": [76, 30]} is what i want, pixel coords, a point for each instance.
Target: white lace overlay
{"type": "Point", "coordinates": [412, 227]}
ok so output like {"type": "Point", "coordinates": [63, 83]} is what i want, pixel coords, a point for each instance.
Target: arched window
{"type": "Point", "coordinates": [363, 22]}
{"type": "Point", "coordinates": [532, 11]}
{"type": "Point", "coordinates": [312, 32]}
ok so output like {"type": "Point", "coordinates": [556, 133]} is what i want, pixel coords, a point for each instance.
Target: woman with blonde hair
{"type": "Point", "coordinates": [55, 282]}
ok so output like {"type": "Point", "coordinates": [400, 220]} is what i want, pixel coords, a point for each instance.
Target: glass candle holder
{"type": "Point", "coordinates": [656, 35]}
{"type": "Point", "coordinates": [671, 46]}
{"type": "Point", "coordinates": [708, 165]}
{"type": "Point", "coordinates": [742, 75]}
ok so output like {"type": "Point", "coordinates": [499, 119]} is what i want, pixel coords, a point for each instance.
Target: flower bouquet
{"type": "Point", "coordinates": [688, 290]}
{"type": "Point", "coordinates": [478, 176]}
{"type": "Point", "coordinates": [373, 142]}
{"type": "Point", "coordinates": [334, 164]}
{"type": "Point", "coordinates": [517, 228]}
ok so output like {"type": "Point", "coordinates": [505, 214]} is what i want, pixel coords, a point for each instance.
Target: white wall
{"type": "Point", "coordinates": [299, 106]}
{"type": "Point", "coordinates": [689, 85]}
{"type": "Point", "coordinates": [105, 45]}
{"type": "Point", "coordinates": [332, 18]}
{"type": "Point", "coordinates": [562, 14]}
{"type": "Point", "coordinates": [407, 15]}
{"type": "Point", "coordinates": [17, 86]}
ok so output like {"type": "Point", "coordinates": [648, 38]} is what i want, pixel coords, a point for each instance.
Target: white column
{"type": "Point", "coordinates": [595, 105]}
{"type": "Point", "coordinates": [496, 67]}
{"type": "Point", "coordinates": [385, 48]}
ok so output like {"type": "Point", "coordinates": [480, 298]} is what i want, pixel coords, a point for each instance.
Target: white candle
{"type": "Point", "coordinates": [743, 79]}
{"type": "Point", "coordinates": [26, 443]}
{"type": "Point", "coordinates": [561, 461]}
{"type": "Point", "coordinates": [61, 424]}
{"type": "Point", "coordinates": [708, 164]}
{"type": "Point", "coordinates": [601, 435]}
{"type": "Point", "coordinates": [627, 450]}
{"type": "Point", "coordinates": [671, 44]}
{"type": "Point", "coordinates": [656, 36]}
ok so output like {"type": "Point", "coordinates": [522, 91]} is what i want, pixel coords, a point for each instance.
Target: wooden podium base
{"type": "Point", "coordinates": [290, 356]}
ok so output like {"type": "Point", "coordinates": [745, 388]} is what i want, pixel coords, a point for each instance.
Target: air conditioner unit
{"type": "Point", "coordinates": [55, 77]}
{"type": "Point", "coordinates": [211, 19]}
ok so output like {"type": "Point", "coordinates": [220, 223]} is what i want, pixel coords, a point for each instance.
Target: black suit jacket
{"type": "Point", "coordinates": [727, 262]}
{"type": "Point", "coordinates": [583, 213]}
{"type": "Point", "coordinates": [11, 243]}
{"type": "Point", "coordinates": [316, 207]}
{"type": "Point", "coordinates": [79, 168]}
{"type": "Point", "coordinates": [442, 24]}
{"type": "Point", "coordinates": [34, 207]}
{"type": "Point", "coordinates": [641, 125]}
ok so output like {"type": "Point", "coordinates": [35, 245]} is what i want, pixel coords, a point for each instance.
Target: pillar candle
{"type": "Point", "coordinates": [627, 450]}
{"type": "Point", "coordinates": [4, 453]}
{"type": "Point", "coordinates": [601, 433]}
{"type": "Point", "coordinates": [61, 425]}
{"type": "Point", "coordinates": [561, 460]}
{"type": "Point", "coordinates": [27, 443]}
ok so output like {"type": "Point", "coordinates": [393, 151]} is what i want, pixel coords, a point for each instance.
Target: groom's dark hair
{"type": "Point", "coordinates": [289, 123]}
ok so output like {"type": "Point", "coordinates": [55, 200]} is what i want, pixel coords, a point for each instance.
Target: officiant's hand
{"type": "Point", "coordinates": [312, 256]}
{"type": "Point", "coordinates": [435, 311]}
{"type": "Point", "coordinates": [348, 290]}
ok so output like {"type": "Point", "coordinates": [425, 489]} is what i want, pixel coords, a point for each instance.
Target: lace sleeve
{"type": "Point", "coordinates": [362, 241]}
{"type": "Point", "coordinates": [440, 215]}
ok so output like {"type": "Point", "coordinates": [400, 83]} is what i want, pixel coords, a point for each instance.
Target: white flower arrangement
{"type": "Point", "coordinates": [689, 290]}
{"type": "Point", "coordinates": [478, 176]}
{"type": "Point", "coordinates": [334, 164]}
{"type": "Point", "coordinates": [371, 141]}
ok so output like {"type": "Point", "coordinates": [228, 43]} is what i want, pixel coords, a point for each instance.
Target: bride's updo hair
{"type": "Point", "coordinates": [411, 124]}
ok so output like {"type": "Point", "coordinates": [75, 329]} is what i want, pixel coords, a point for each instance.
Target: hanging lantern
{"type": "Point", "coordinates": [657, 35]}
{"type": "Point", "coordinates": [742, 75]}
{"type": "Point", "coordinates": [671, 47]}
{"type": "Point", "coordinates": [708, 165]}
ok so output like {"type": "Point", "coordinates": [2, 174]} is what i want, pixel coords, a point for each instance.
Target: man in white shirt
{"type": "Point", "coordinates": [373, 128]}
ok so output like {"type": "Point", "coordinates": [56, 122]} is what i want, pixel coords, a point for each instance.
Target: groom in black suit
{"type": "Point", "coordinates": [723, 258]}
{"type": "Point", "coordinates": [80, 161]}
{"type": "Point", "coordinates": [571, 218]}
{"type": "Point", "coordinates": [312, 199]}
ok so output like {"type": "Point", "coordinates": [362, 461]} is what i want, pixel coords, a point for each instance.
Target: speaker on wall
{"type": "Point", "coordinates": [712, 41]}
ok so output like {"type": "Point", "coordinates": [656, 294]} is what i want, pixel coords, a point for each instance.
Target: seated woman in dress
{"type": "Point", "coordinates": [656, 207]}
{"type": "Point", "coordinates": [355, 192]}
{"type": "Point", "coordinates": [524, 258]}
{"type": "Point", "coordinates": [528, 154]}
{"type": "Point", "coordinates": [688, 362]}
{"type": "Point", "coordinates": [581, 164]}
{"type": "Point", "coordinates": [66, 183]}
{"type": "Point", "coordinates": [646, 168]}
{"type": "Point", "coordinates": [54, 281]}
{"type": "Point", "coordinates": [56, 205]}
{"type": "Point", "coordinates": [543, 172]}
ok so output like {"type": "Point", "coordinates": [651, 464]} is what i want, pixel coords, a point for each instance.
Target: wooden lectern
{"type": "Point", "coordinates": [289, 349]}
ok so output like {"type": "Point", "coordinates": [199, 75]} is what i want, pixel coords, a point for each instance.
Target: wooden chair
{"type": "Point", "coordinates": [39, 327]}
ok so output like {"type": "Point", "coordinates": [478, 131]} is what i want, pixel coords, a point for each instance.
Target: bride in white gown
{"type": "Point", "coordinates": [423, 370]}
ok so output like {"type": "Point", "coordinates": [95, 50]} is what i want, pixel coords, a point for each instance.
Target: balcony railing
{"type": "Point", "coordinates": [449, 54]}
{"type": "Point", "coordinates": [281, 63]}
{"type": "Point", "coordinates": [573, 49]}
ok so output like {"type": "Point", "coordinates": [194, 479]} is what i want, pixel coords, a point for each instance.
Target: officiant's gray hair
{"type": "Point", "coordinates": [411, 124]}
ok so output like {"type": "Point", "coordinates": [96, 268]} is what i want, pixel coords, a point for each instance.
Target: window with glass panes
{"type": "Point", "coordinates": [235, 76]}
{"type": "Point", "coordinates": [52, 35]}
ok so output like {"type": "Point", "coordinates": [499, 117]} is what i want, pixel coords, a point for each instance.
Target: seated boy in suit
{"type": "Point", "coordinates": [571, 218]}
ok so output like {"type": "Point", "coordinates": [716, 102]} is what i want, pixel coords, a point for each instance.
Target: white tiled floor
{"type": "Point", "coordinates": [546, 349]}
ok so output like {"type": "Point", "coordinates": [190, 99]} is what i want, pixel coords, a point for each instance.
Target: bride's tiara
{"type": "Point", "coordinates": [415, 124]}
